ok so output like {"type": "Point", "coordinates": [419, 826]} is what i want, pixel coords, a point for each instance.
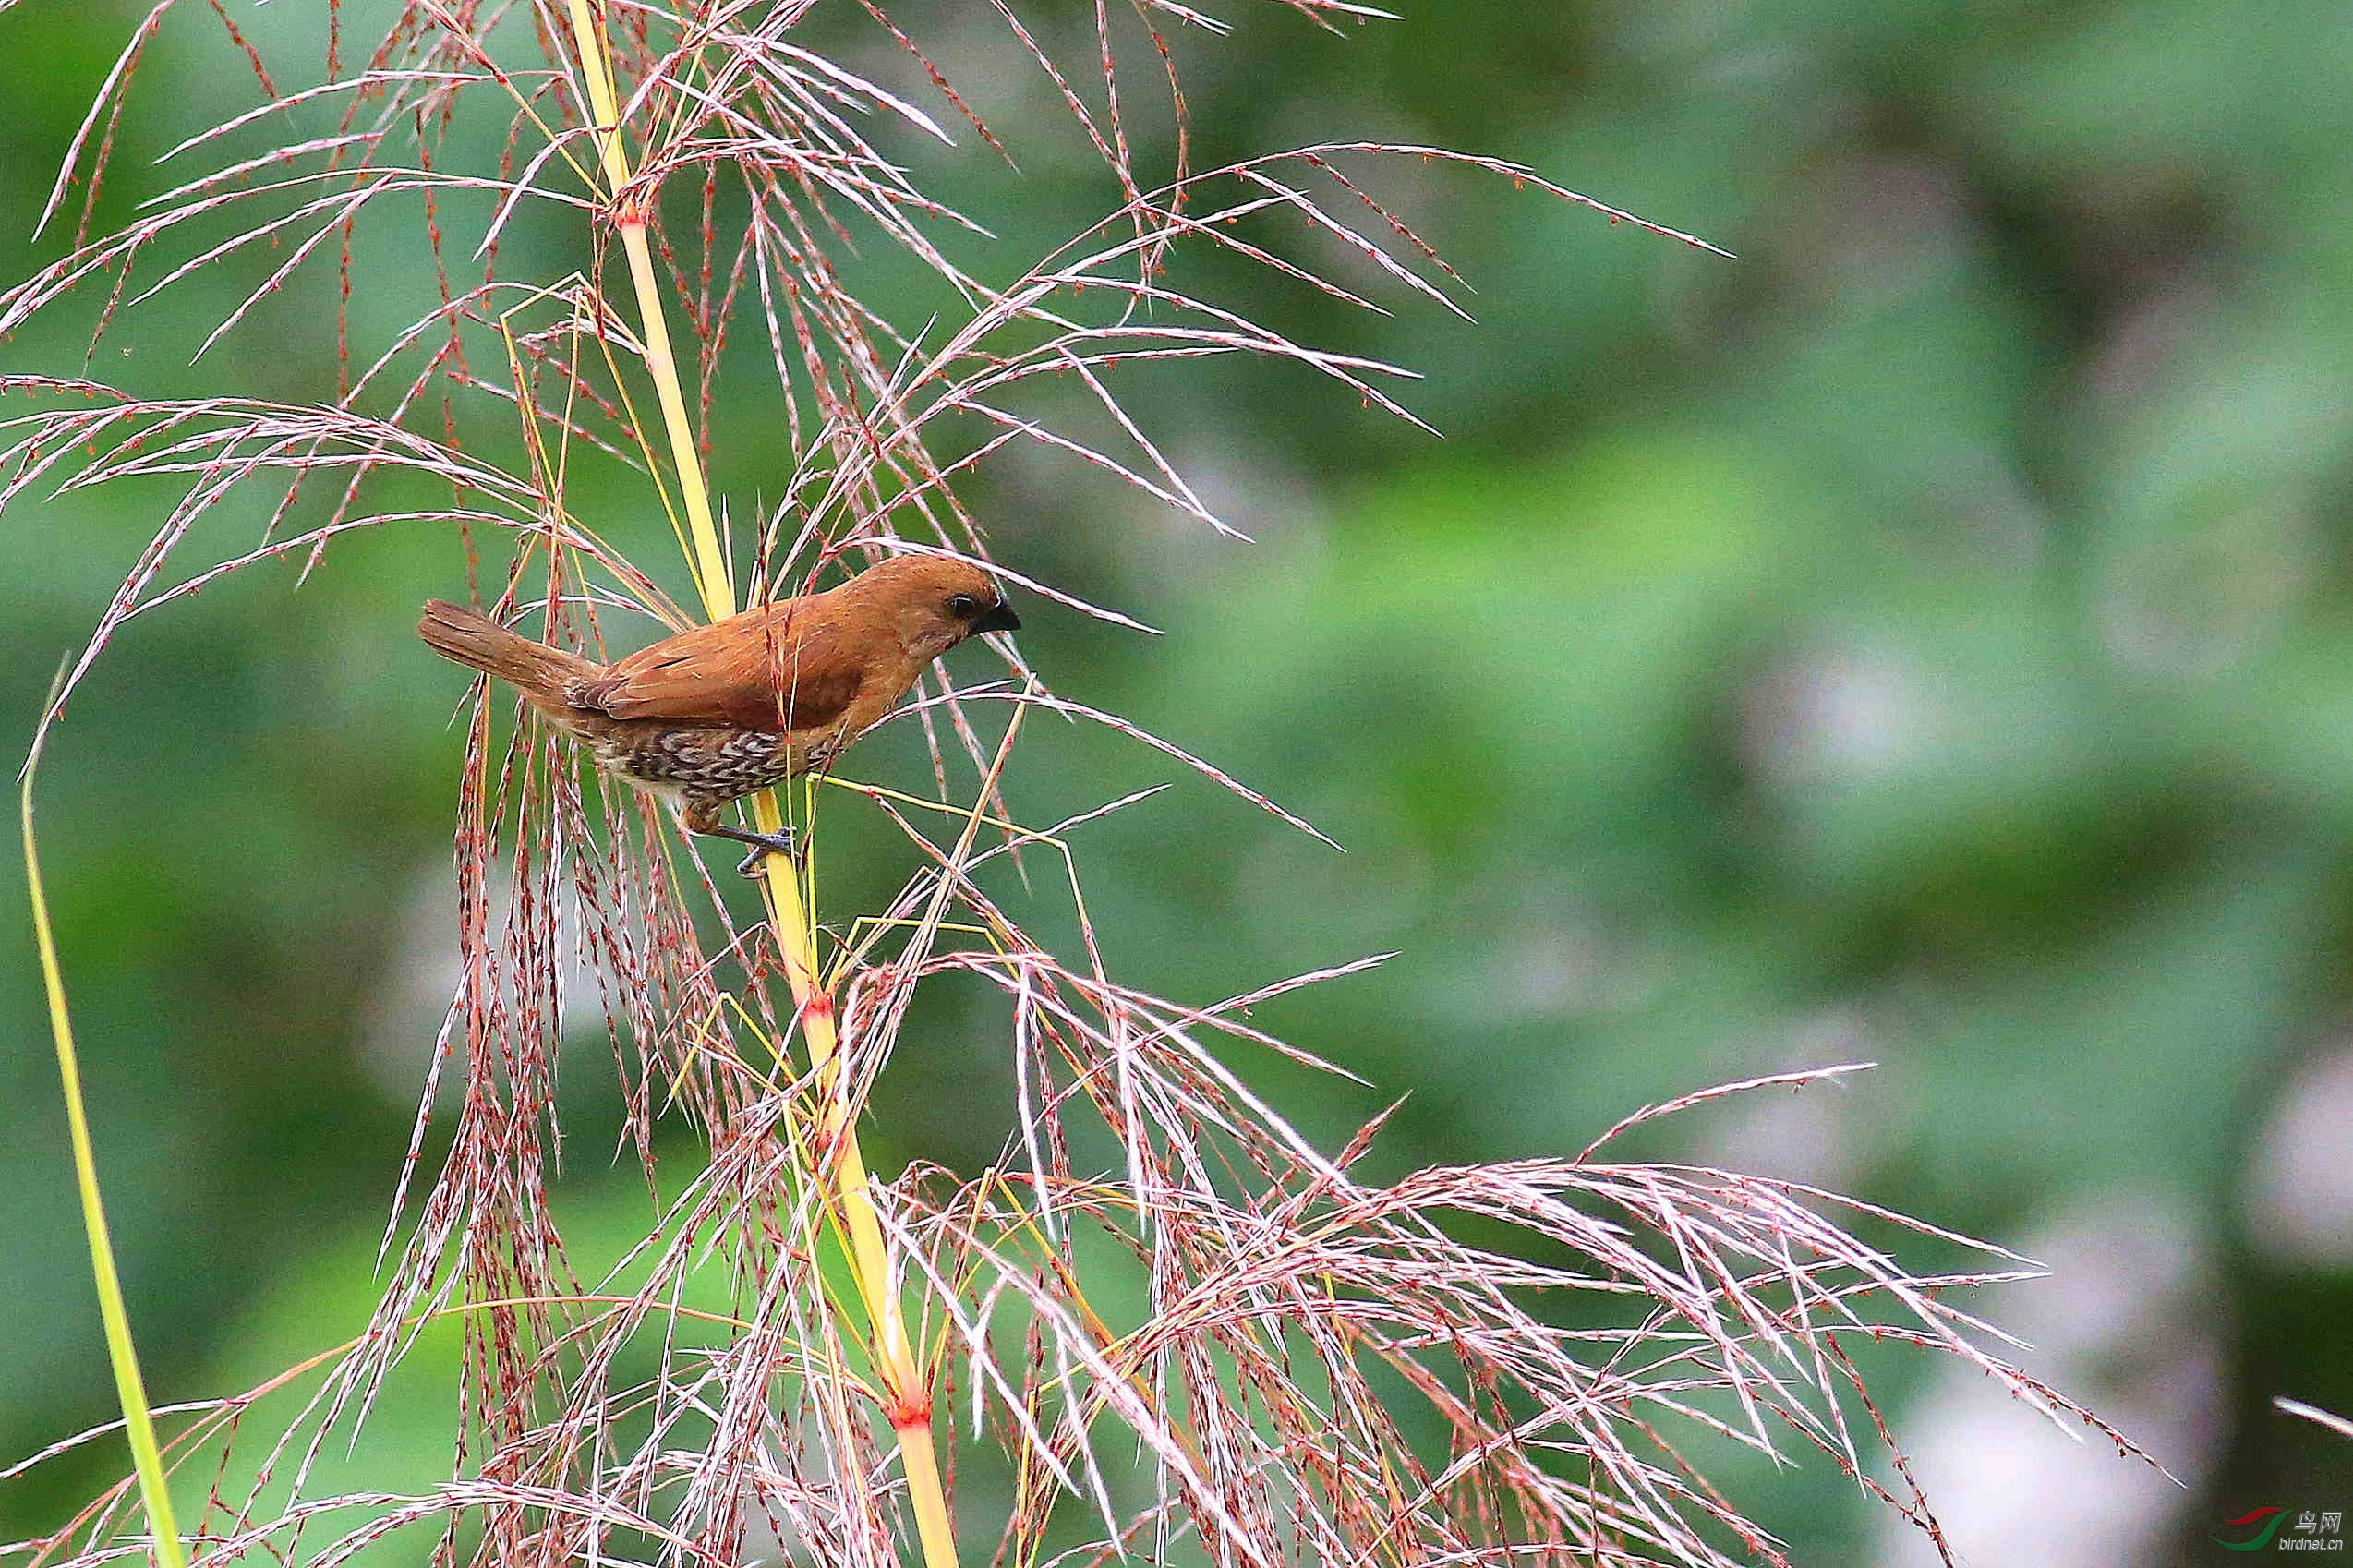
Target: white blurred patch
{"type": "Point", "coordinates": [404, 1018]}
{"type": "Point", "coordinates": [1842, 714]}
{"type": "Point", "coordinates": [1812, 1134]}
{"type": "Point", "coordinates": [2126, 1325]}
{"type": "Point", "coordinates": [2299, 1187]}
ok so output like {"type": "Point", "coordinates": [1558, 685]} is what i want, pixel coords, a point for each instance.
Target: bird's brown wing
{"type": "Point", "coordinates": [780, 667]}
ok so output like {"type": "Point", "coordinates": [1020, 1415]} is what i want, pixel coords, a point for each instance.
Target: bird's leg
{"type": "Point", "coordinates": [704, 819]}
{"type": "Point", "coordinates": [785, 843]}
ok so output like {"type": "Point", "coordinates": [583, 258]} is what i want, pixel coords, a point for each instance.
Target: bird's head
{"type": "Point", "coordinates": [934, 602]}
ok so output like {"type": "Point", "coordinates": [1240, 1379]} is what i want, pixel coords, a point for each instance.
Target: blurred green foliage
{"type": "Point", "coordinates": [1922, 639]}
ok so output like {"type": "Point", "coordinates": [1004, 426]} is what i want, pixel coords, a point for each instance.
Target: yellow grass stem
{"type": "Point", "coordinates": [905, 1387]}
{"type": "Point", "coordinates": [128, 1386]}
{"type": "Point", "coordinates": [932, 1521]}
{"type": "Point", "coordinates": [631, 217]}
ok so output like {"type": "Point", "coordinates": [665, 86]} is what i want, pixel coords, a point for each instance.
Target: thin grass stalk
{"type": "Point", "coordinates": [130, 1389]}
{"type": "Point", "coordinates": [899, 1369]}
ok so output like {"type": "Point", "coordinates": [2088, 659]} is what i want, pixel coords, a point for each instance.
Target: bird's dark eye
{"type": "Point", "coordinates": [963, 607]}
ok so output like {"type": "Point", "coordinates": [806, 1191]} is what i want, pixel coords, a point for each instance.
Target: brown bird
{"type": "Point", "coordinates": [715, 713]}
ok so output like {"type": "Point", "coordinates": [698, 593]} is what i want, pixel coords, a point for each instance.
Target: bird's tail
{"type": "Point", "coordinates": [480, 643]}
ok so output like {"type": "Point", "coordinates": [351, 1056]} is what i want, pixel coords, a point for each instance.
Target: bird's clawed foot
{"type": "Point", "coordinates": [754, 865]}
{"type": "Point", "coordinates": [785, 843]}
{"type": "Point", "coordinates": [702, 818]}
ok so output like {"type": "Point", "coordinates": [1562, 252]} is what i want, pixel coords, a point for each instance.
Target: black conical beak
{"type": "Point", "coordinates": [1000, 618]}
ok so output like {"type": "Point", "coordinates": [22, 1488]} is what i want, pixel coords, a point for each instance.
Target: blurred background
{"type": "Point", "coordinates": [1922, 640]}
